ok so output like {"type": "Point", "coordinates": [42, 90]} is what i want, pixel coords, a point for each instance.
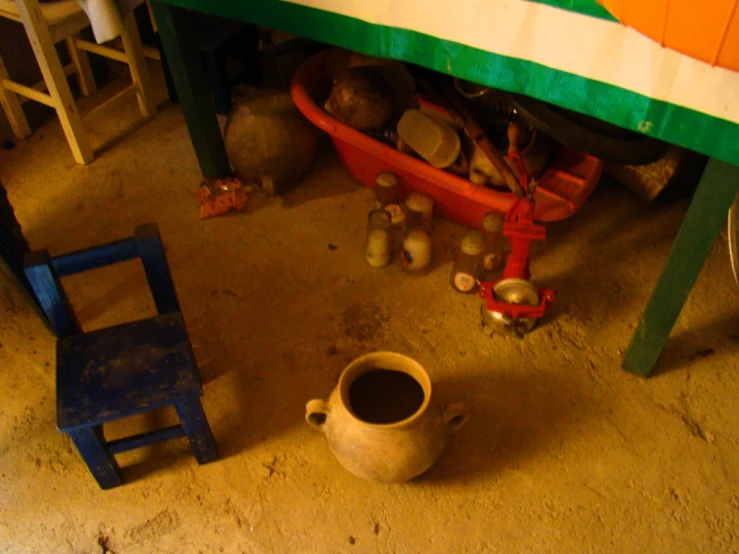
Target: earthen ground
{"type": "Point", "coordinates": [563, 452]}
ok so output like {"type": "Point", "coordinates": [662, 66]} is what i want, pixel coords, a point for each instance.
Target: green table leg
{"type": "Point", "coordinates": [703, 221]}
{"type": "Point", "coordinates": [186, 69]}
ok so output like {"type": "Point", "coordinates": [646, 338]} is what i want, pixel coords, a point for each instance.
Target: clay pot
{"type": "Point", "coordinates": [268, 141]}
{"type": "Point", "coordinates": [383, 421]}
{"type": "Point", "coordinates": [362, 99]}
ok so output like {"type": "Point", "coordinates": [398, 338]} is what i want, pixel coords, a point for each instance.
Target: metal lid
{"type": "Point", "coordinates": [417, 237]}
{"type": "Point", "coordinates": [379, 217]}
{"type": "Point", "coordinates": [493, 221]}
{"type": "Point", "coordinates": [472, 243]}
{"type": "Point", "coordinates": [397, 214]}
{"type": "Point", "coordinates": [512, 291]}
{"type": "Point", "coordinates": [516, 291]}
{"type": "Point", "coordinates": [420, 202]}
{"type": "Point", "coordinates": [386, 180]}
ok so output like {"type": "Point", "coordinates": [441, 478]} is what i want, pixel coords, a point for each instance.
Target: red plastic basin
{"type": "Point", "coordinates": [561, 191]}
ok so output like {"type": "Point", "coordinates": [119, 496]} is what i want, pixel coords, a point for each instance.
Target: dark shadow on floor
{"type": "Point", "coordinates": [717, 339]}
{"type": "Point", "coordinates": [324, 179]}
{"type": "Point", "coordinates": [514, 418]}
{"type": "Point", "coordinates": [612, 257]}
{"type": "Point", "coordinates": [272, 366]}
{"type": "Point", "coordinates": [124, 133]}
{"type": "Point", "coordinates": [150, 460]}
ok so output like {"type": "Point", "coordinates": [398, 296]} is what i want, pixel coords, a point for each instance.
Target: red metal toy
{"type": "Point", "coordinates": [513, 302]}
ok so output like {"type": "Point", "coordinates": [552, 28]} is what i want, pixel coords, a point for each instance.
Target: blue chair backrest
{"type": "Point", "coordinates": [44, 274]}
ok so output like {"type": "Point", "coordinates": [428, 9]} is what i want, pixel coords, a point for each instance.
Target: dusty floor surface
{"type": "Point", "coordinates": [564, 452]}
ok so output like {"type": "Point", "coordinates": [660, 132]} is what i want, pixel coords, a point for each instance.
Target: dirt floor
{"type": "Point", "coordinates": [563, 451]}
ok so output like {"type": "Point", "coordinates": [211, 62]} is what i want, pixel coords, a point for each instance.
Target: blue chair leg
{"type": "Point", "coordinates": [197, 429]}
{"type": "Point", "coordinates": [102, 464]}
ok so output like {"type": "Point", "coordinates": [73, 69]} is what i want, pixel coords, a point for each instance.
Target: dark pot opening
{"type": "Point", "coordinates": [384, 396]}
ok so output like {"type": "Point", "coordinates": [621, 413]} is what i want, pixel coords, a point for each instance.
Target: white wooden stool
{"type": "Point", "coordinates": [47, 24]}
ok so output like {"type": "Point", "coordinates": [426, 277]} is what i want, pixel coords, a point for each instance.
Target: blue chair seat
{"type": "Point", "coordinates": [123, 370]}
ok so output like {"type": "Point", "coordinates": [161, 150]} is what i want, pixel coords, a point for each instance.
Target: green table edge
{"type": "Point", "coordinates": [678, 125]}
{"type": "Point", "coordinates": [185, 66]}
{"type": "Point", "coordinates": [701, 225]}
{"type": "Point", "coordinates": [584, 7]}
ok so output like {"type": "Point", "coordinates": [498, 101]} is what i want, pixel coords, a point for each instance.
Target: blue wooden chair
{"type": "Point", "coordinates": [123, 370]}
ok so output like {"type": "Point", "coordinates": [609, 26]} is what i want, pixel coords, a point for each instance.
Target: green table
{"type": "Point", "coordinates": [567, 52]}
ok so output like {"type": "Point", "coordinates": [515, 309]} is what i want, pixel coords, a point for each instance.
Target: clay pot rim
{"type": "Point", "coordinates": [385, 360]}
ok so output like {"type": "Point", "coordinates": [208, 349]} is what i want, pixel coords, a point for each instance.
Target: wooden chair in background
{"type": "Point", "coordinates": [46, 25]}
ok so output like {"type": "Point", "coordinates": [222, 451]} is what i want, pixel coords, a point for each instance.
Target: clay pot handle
{"type": "Point", "coordinates": [455, 415]}
{"type": "Point", "coordinates": [316, 412]}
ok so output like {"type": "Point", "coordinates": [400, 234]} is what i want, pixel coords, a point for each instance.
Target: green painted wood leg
{"type": "Point", "coordinates": [703, 221]}
{"type": "Point", "coordinates": [186, 69]}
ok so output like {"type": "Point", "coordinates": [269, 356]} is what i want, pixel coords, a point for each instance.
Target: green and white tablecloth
{"type": "Point", "coordinates": [568, 52]}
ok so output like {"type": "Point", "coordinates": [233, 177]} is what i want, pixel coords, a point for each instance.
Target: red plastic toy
{"type": "Point", "coordinates": [518, 312]}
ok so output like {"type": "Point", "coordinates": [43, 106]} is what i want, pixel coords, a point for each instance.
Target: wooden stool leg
{"type": "Point", "coordinates": [12, 106]}
{"type": "Point", "coordinates": [56, 81]}
{"type": "Point", "coordinates": [137, 65]}
{"type": "Point", "coordinates": [102, 464]}
{"type": "Point", "coordinates": [197, 429]}
{"type": "Point", "coordinates": [82, 67]}
{"type": "Point", "coordinates": [151, 17]}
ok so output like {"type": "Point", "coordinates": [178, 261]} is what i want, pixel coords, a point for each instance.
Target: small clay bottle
{"type": "Point", "coordinates": [416, 250]}
{"type": "Point", "coordinates": [398, 226]}
{"type": "Point", "coordinates": [492, 235]}
{"type": "Point", "coordinates": [386, 189]}
{"type": "Point", "coordinates": [423, 205]}
{"type": "Point", "coordinates": [467, 269]}
{"type": "Point", "coordinates": [378, 246]}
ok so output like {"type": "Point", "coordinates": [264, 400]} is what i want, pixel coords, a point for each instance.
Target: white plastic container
{"type": "Point", "coordinates": [433, 140]}
{"type": "Point", "coordinates": [467, 269]}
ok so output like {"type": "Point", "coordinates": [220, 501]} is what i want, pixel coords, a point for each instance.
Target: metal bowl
{"type": "Point", "coordinates": [511, 291]}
